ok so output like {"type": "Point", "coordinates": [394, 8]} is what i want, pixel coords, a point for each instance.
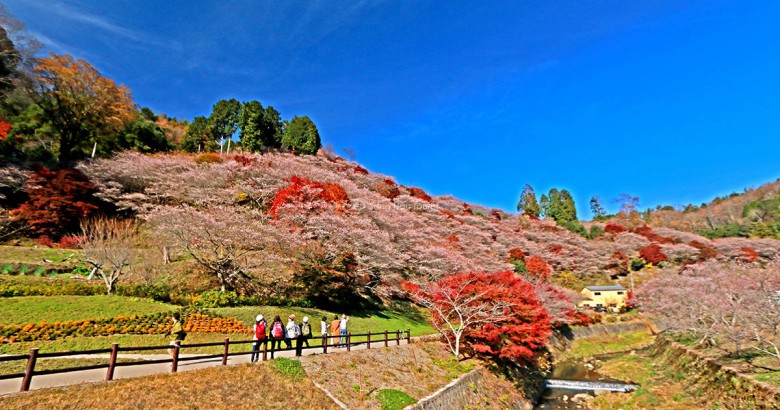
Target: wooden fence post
{"type": "Point", "coordinates": [385, 337]}
{"type": "Point", "coordinates": [28, 373]}
{"type": "Point", "coordinates": [368, 342]}
{"type": "Point", "coordinates": [265, 349]}
{"type": "Point", "coordinates": [398, 337]}
{"type": "Point", "coordinates": [112, 362]}
{"type": "Point", "coordinates": [225, 352]}
{"type": "Point", "coordinates": [324, 343]}
{"type": "Point", "coordinates": [408, 335]}
{"type": "Point", "coordinates": [349, 341]}
{"type": "Point", "coordinates": [175, 362]}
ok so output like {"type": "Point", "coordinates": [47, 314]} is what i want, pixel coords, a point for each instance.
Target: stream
{"type": "Point", "coordinates": [573, 369]}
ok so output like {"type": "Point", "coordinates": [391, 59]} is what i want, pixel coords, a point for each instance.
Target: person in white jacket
{"type": "Point", "coordinates": [291, 331]}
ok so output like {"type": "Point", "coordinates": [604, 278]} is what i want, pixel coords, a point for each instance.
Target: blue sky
{"type": "Point", "coordinates": [673, 102]}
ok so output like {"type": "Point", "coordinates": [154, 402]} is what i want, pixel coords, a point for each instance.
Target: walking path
{"type": "Point", "coordinates": [138, 370]}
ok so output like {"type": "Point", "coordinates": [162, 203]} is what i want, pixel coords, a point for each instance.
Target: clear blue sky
{"type": "Point", "coordinates": [674, 102]}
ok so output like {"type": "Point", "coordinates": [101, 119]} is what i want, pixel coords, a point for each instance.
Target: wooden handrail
{"type": "Point", "coordinates": [112, 364]}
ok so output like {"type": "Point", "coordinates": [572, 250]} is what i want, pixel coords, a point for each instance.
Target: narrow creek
{"type": "Point", "coordinates": [574, 369]}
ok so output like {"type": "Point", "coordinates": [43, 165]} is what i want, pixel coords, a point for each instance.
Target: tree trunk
{"type": "Point", "coordinates": [166, 256]}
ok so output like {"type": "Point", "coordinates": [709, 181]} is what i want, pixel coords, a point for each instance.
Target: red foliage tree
{"type": "Point", "coordinates": [244, 160]}
{"type": "Point", "coordinates": [388, 189]}
{"type": "Point", "coordinates": [538, 267]}
{"type": "Point", "coordinates": [651, 236]}
{"type": "Point", "coordinates": [705, 251]}
{"type": "Point", "coordinates": [614, 228]}
{"type": "Point", "coordinates": [516, 254]}
{"type": "Point", "coordinates": [652, 254]}
{"type": "Point", "coordinates": [301, 191]}
{"type": "Point", "coordinates": [749, 255]}
{"type": "Point", "coordinates": [555, 248]}
{"type": "Point", "coordinates": [58, 200]}
{"type": "Point", "coordinates": [494, 315]}
{"type": "Point", "coordinates": [420, 194]}
{"type": "Point", "coordinates": [5, 128]}
{"type": "Point", "coordinates": [360, 170]}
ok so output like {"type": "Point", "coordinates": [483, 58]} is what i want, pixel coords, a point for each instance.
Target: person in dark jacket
{"type": "Point", "coordinates": [276, 334]}
{"type": "Point", "coordinates": [306, 333]}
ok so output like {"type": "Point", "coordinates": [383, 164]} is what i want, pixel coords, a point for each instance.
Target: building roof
{"type": "Point", "coordinates": [597, 288]}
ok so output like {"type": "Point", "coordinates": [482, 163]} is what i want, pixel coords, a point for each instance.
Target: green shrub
{"type": "Point", "coordinates": [637, 264]}
{"type": "Point", "coordinates": [289, 368]}
{"type": "Point", "coordinates": [38, 272]}
{"type": "Point", "coordinates": [391, 399]}
{"type": "Point", "coordinates": [7, 270]}
{"type": "Point", "coordinates": [23, 270]}
{"type": "Point", "coordinates": [596, 231]}
{"type": "Point", "coordinates": [81, 270]}
{"type": "Point", "coordinates": [216, 298]}
{"type": "Point", "coordinates": [574, 227]}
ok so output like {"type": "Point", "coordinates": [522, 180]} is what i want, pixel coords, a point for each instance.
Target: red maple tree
{"type": "Point", "coordinates": [5, 129]}
{"type": "Point", "coordinates": [749, 255]}
{"type": "Point", "coordinates": [538, 267]}
{"type": "Point", "coordinates": [301, 191]}
{"type": "Point", "coordinates": [420, 194]}
{"type": "Point", "coordinates": [493, 315]}
{"type": "Point", "coordinates": [58, 200]}
{"type": "Point", "coordinates": [516, 254]}
{"type": "Point", "coordinates": [652, 254]}
{"type": "Point", "coordinates": [614, 228]}
{"type": "Point", "coordinates": [388, 189]}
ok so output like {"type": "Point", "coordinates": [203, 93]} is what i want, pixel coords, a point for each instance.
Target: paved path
{"type": "Point", "coordinates": [124, 372]}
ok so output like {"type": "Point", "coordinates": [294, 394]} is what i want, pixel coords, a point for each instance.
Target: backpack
{"type": "Point", "coordinates": [276, 330]}
{"type": "Point", "coordinates": [260, 330]}
{"type": "Point", "coordinates": [296, 332]}
{"type": "Point", "coordinates": [306, 329]}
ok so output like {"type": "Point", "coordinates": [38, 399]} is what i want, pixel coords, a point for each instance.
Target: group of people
{"type": "Point", "coordinates": [301, 332]}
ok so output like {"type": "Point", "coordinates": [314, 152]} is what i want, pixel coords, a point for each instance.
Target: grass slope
{"type": "Point", "coordinates": [359, 322]}
{"type": "Point", "coordinates": [236, 387]}
{"type": "Point", "coordinates": [612, 343]}
{"type": "Point", "coordinates": [36, 309]}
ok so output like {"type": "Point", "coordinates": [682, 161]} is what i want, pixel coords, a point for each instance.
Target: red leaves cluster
{"type": "Point", "coordinates": [749, 255]}
{"type": "Point", "coordinates": [705, 251]}
{"type": "Point", "coordinates": [651, 236]}
{"type": "Point", "coordinates": [538, 267]}
{"type": "Point", "coordinates": [58, 200]}
{"type": "Point", "coordinates": [300, 191]}
{"type": "Point", "coordinates": [360, 170]}
{"type": "Point", "coordinates": [614, 228]}
{"type": "Point", "coordinates": [448, 214]}
{"type": "Point", "coordinates": [5, 129]}
{"type": "Point", "coordinates": [652, 254]}
{"type": "Point", "coordinates": [388, 189]}
{"type": "Point", "coordinates": [508, 322]}
{"type": "Point", "coordinates": [555, 248]}
{"type": "Point", "coordinates": [420, 194]}
{"type": "Point", "coordinates": [244, 160]}
{"type": "Point", "coordinates": [516, 254]}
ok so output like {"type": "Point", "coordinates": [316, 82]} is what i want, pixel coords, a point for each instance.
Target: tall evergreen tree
{"type": "Point", "coordinates": [198, 136]}
{"type": "Point", "coordinates": [599, 214]}
{"type": "Point", "coordinates": [528, 203]}
{"type": "Point", "coordinates": [301, 135]}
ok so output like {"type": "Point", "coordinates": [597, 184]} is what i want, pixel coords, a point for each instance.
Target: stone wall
{"type": "Point", "coordinates": [476, 389]}
{"type": "Point", "coordinates": [561, 339]}
{"type": "Point", "coordinates": [726, 386]}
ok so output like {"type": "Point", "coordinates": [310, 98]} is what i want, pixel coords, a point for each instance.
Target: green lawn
{"type": "Point", "coordinates": [375, 321]}
{"type": "Point", "coordinates": [36, 255]}
{"type": "Point", "coordinates": [36, 309]}
{"type": "Point", "coordinates": [619, 342]}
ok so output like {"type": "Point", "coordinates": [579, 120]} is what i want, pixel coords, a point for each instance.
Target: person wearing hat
{"type": "Point", "coordinates": [292, 331]}
{"type": "Point", "coordinates": [305, 331]}
{"type": "Point", "coordinates": [259, 337]}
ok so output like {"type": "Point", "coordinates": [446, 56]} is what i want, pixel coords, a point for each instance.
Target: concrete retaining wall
{"type": "Point", "coordinates": [475, 389]}
{"type": "Point", "coordinates": [561, 340]}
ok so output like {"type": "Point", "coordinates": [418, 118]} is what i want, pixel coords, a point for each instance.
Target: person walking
{"type": "Point", "coordinates": [259, 337]}
{"type": "Point", "coordinates": [343, 328]}
{"type": "Point", "coordinates": [277, 334]}
{"type": "Point", "coordinates": [176, 333]}
{"type": "Point", "coordinates": [305, 331]}
{"type": "Point", "coordinates": [324, 326]}
{"type": "Point", "coordinates": [334, 329]}
{"type": "Point", "coordinates": [292, 331]}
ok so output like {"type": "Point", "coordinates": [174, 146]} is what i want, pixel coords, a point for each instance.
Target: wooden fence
{"type": "Point", "coordinates": [382, 339]}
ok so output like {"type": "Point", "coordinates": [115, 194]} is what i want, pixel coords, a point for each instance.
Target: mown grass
{"type": "Point", "coordinates": [36, 309]}
{"type": "Point", "coordinates": [619, 342]}
{"type": "Point", "coordinates": [398, 318]}
{"type": "Point", "coordinates": [289, 368]}
{"type": "Point", "coordinates": [391, 399]}
{"type": "Point", "coordinates": [234, 387]}
{"type": "Point", "coordinates": [104, 342]}
{"type": "Point", "coordinates": [37, 255]}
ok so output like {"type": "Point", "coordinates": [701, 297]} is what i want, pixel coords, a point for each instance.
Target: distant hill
{"type": "Point", "coordinates": [753, 213]}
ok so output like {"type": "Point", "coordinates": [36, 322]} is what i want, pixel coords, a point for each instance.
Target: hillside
{"type": "Point", "coordinates": [754, 212]}
{"type": "Point", "coordinates": [274, 216]}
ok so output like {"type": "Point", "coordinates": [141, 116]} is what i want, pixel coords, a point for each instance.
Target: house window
{"type": "Point", "coordinates": [597, 293]}
{"type": "Point", "coordinates": [620, 293]}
